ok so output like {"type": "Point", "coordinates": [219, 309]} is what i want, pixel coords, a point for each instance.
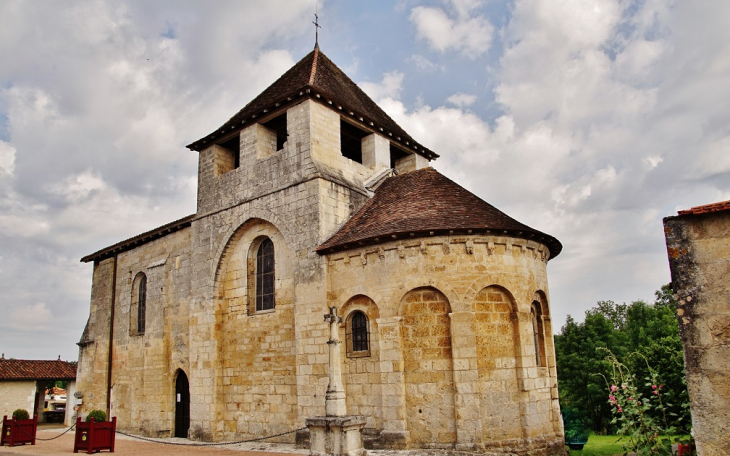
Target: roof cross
{"type": "Point", "coordinates": [316, 30]}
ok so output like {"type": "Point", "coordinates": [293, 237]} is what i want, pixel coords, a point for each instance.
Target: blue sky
{"type": "Point", "coordinates": [587, 120]}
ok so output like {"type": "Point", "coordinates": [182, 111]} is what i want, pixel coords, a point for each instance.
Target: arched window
{"type": "Point", "coordinates": [265, 275]}
{"type": "Point", "coordinates": [142, 304]}
{"type": "Point", "coordinates": [138, 310]}
{"type": "Point", "coordinates": [538, 336]}
{"type": "Point", "coordinates": [357, 334]}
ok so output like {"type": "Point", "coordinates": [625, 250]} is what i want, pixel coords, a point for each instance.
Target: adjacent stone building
{"type": "Point", "coordinates": [311, 196]}
{"type": "Point", "coordinates": [23, 386]}
{"type": "Point", "coordinates": [698, 246]}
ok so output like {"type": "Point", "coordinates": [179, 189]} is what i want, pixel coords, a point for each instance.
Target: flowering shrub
{"type": "Point", "coordinates": [643, 419]}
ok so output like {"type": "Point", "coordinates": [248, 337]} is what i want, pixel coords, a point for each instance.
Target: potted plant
{"type": "Point", "coordinates": [96, 433]}
{"type": "Point", "coordinates": [20, 429]}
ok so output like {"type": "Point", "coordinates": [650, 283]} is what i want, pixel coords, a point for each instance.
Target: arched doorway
{"type": "Point", "coordinates": [182, 405]}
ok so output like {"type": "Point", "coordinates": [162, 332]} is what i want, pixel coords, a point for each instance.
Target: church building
{"type": "Point", "coordinates": [211, 327]}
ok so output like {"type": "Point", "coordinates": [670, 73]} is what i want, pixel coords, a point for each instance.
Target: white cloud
{"type": "Point", "coordinates": [653, 161]}
{"type": "Point", "coordinates": [470, 35]}
{"type": "Point", "coordinates": [389, 87]}
{"type": "Point", "coordinates": [462, 99]}
{"type": "Point", "coordinates": [7, 159]}
{"type": "Point", "coordinates": [424, 64]}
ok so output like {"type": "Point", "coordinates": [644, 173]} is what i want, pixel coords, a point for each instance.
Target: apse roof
{"type": "Point", "coordinates": [316, 76]}
{"type": "Point", "coordinates": [426, 202]}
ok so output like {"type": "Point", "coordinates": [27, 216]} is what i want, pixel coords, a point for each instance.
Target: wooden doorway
{"type": "Point", "coordinates": [182, 405]}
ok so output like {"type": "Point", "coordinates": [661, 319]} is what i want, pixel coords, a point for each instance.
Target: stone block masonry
{"type": "Point", "coordinates": [444, 357]}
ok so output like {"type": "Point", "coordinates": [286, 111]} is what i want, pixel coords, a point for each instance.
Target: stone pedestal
{"type": "Point", "coordinates": [336, 435]}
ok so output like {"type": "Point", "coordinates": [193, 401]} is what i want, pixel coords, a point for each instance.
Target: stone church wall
{"type": "Point", "coordinates": [282, 196]}
{"type": "Point", "coordinates": [453, 352]}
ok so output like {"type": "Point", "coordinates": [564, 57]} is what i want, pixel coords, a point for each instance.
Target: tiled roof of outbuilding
{"type": "Point", "coordinates": [425, 201]}
{"type": "Point", "coordinates": [317, 76]}
{"type": "Point", "coordinates": [26, 369]}
{"type": "Point", "coordinates": [707, 208]}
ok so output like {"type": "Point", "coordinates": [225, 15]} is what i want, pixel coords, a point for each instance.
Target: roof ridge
{"type": "Point", "coordinates": [313, 71]}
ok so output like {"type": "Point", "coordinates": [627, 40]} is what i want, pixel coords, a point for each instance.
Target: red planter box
{"type": "Point", "coordinates": [19, 432]}
{"type": "Point", "coordinates": [686, 449]}
{"type": "Point", "coordinates": [92, 436]}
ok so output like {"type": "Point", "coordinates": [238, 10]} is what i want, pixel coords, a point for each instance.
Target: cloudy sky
{"type": "Point", "coordinates": [589, 120]}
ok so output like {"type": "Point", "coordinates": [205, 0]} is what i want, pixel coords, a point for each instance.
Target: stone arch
{"type": "Point", "coordinates": [499, 357]}
{"type": "Point", "coordinates": [256, 361]}
{"type": "Point", "coordinates": [360, 370]}
{"type": "Point", "coordinates": [540, 297]}
{"type": "Point", "coordinates": [478, 285]}
{"type": "Point", "coordinates": [239, 246]}
{"type": "Point", "coordinates": [441, 286]}
{"type": "Point", "coordinates": [540, 302]}
{"type": "Point", "coordinates": [246, 218]}
{"type": "Point", "coordinates": [428, 368]}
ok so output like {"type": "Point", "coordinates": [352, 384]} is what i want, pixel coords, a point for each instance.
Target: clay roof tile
{"type": "Point", "coordinates": [25, 369]}
{"type": "Point", "coordinates": [425, 201]}
{"type": "Point", "coordinates": [707, 208]}
{"type": "Point", "coordinates": [316, 73]}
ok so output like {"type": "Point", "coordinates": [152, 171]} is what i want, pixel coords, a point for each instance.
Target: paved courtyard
{"type": "Point", "coordinates": [129, 446]}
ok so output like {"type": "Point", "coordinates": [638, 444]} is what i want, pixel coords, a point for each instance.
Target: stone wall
{"type": "Point", "coordinates": [17, 395]}
{"type": "Point", "coordinates": [698, 247]}
{"type": "Point", "coordinates": [453, 346]}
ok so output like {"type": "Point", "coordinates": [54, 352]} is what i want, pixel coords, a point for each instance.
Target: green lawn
{"type": "Point", "coordinates": [601, 445]}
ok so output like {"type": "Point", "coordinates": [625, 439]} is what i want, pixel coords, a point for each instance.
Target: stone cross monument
{"type": "Point", "coordinates": [334, 402]}
{"type": "Point", "coordinates": [336, 433]}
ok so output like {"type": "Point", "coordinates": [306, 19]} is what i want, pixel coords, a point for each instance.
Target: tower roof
{"type": "Point", "coordinates": [426, 202]}
{"type": "Point", "coordinates": [316, 76]}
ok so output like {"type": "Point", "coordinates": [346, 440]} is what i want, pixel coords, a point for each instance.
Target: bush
{"type": "Point", "coordinates": [99, 416]}
{"type": "Point", "coordinates": [577, 427]}
{"type": "Point", "coordinates": [21, 414]}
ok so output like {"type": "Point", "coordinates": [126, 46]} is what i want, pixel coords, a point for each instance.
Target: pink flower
{"type": "Point", "coordinates": [620, 409]}
{"type": "Point", "coordinates": [629, 398]}
{"type": "Point", "coordinates": [612, 399]}
{"type": "Point", "coordinates": [653, 386]}
{"type": "Point", "coordinates": [656, 393]}
{"type": "Point", "coordinates": [613, 388]}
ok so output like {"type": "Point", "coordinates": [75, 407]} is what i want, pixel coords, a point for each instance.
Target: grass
{"type": "Point", "coordinates": [603, 445]}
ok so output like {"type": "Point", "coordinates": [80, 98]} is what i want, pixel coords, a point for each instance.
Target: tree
{"type": "Point", "coordinates": [639, 335]}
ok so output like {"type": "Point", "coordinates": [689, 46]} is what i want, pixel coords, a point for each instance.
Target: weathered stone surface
{"type": "Point", "coordinates": [698, 247]}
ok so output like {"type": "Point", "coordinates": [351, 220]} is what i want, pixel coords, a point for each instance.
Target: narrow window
{"type": "Point", "coordinates": [142, 304]}
{"type": "Point", "coordinates": [357, 334]}
{"type": "Point", "coordinates": [265, 276]}
{"type": "Point", "coordinates": [537, 334]}
{"type": "Point", "coordinates": [138, 309]}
